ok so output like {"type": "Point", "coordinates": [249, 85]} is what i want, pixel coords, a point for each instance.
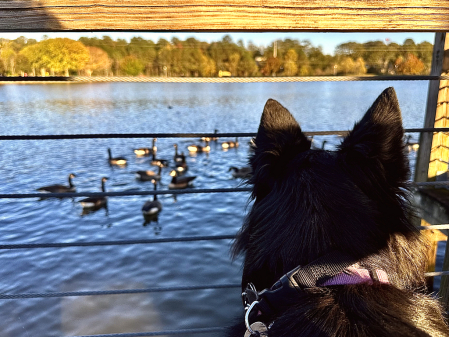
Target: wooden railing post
{"type": "Point", "coordinates": [433, 155]}
{"type": "Point", "coordinates": [433, 236]}
{"type": "Point", "coordinates": [430, 144]}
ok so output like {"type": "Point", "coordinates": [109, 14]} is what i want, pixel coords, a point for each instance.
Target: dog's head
{"type": "Point", "coordinates": [308, 201]}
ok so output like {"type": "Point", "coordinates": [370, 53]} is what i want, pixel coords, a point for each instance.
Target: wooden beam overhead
{"type": "Point", "coordinates": [223, 15]}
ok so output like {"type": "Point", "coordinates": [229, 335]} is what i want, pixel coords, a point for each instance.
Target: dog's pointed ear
{"type": "Point", "coordinates": [279, 139]}
{"type": "Point", "coordinates": [378, 138]}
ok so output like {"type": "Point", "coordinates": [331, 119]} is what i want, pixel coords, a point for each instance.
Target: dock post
{"type": "Point", "coordinates": [429, 160]}
{"type": "Point", "coordinates": [433, 154]}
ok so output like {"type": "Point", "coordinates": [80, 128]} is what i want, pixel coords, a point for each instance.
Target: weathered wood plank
{"type": "Point", "coordinates": [225, 15]}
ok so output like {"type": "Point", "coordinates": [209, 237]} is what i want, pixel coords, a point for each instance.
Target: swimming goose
{"type": "Point", "coordinates": [243, 172]}
{"type": "Point", "coordinates": [95, 202]}
{"type": "Point", "coordinates": [149, 175]}
{"type": "Point", "coordinates": [199, 148]}
{"type": "Point", "coordinates": [177, 157]}
{"type": "Point", "coordinates": [179, 182]}
{"type": "Point", "coordinates": [227, 145]}
{"type": "Point", "coordinates": [152, 207]}
{"type": "Point", "coordinates": [120, 161]}
{"type": "Point", "coordinates": [158, 162]}
{"type": "Point", "coordinates": [57, 188]}
{"type": "Point", "coordinates": [209, 139]}
{"type": "Point", "coordinates": [181, 166]}
{"type": "Point", "coordinates": [146, 151]}
{"type": "Point", "coordinates": [410, 145]}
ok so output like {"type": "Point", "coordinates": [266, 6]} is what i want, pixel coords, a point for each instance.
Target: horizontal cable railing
{"type": "Point", "coordinates": [161, 240]}
{"type": "Point", "coordinates": [115, 243]}
{"type": "Point", "coordinates": [160, 333]}
{"type": "Point", "coordinates": [189, 135]}
{"type": "Point", "coordinates": [121, 193]}
{"type": "Point", "coordinates": [260, 79]}
{"type": "Point", "coordinates": [164, 192]}
{"type": "Point", "coordinates": [4, 296]}
{"type": "Point", "coordinates": [145, 241]}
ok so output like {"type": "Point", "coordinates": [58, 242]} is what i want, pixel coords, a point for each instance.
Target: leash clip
{"type": "Point", "coordinates": [249, 295]}
{"type": "Point", "coordinates": [260, 328]}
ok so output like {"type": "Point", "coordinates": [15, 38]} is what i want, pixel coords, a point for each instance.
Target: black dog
{"type": "Point", "coordinates": [329, 236]}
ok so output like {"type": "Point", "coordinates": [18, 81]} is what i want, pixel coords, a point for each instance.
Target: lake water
{"type": "Point", "coordinates": [141, 108]}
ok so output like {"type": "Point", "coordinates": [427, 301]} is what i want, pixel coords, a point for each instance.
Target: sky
{"type": "Point", "coordinates": [328, 41]}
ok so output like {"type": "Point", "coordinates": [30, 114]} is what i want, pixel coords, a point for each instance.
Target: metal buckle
{"type": "Point", "coordinates": [250, 291]}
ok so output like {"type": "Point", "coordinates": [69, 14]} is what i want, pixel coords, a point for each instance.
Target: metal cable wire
{"type": "Point", "coordinates": [436, 273]}
{"type": "Point", "coordinates": [121, 193]}
{"type": "Point", "coordinates": [81, 79]}
{"type": "Point", "coordinates": [161, 333]}
{"type": "Point", "coordinates": [114, 243]}
{"type": "Point", "coordinates": [143, 241]}
{"type": "Point", "coordinates": [164, 192]}
{"type": "Point", "coordinates": [142, 290]}
{"type": "Point", "coordinates": [187, 135]}
{"type": "Point", "coordinates": [439, 227]}
{"type": "Point", "coordinates": [116, 292]}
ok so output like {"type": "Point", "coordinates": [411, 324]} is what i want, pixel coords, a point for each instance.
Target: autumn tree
{"type": "Point", "coordinates": [247, 65]}
{"type": "Point", "coordinates": [23, 64]}
{"type": "Point", "coordinates": [409, 65]}
{"type": "Point", "coordinates": [272, 66]}
{"type": "Point", "coordinates": [144, 51]}
{"type": "Point", "coordinates": [348, 66]}
{"type": "Point", "coordinates": [131, 65]}
{"type": "Point", "coordinates": [233, 63]}
{"type": "Point", "coordinates": [2, 68]}
{"type": "Point", "coordinates": [99, 61]}
{"type": "Point", "coordinates": [59, 55]}
{"type": "Point", "coordinates": [424, 52]}
{"type": "Point", "coordinates": [8, 56]}
{"type": "Point", "coordinates": [290, 63]}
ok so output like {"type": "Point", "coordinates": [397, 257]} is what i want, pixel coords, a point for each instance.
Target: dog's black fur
{"type": "Point", "coordinates": [308, 202]}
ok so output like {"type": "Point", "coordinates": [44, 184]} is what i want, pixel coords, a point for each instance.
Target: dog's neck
{"type": "Point", "coordinates": [334, 268]}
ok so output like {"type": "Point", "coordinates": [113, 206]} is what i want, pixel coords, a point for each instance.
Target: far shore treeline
{"type": "Point", "coordinates": [194, 58]}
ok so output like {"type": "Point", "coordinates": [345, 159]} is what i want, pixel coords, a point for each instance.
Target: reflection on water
{"type": "Point", "coordinates": [142, 108]}
{"type": "Point", "coordinates": [109, 314]}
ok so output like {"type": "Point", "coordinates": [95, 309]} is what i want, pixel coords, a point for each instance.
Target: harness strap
{"type": "Point", "coordinates": [285, 292]}
{"type": "Point", "coordinates": [322, 269]}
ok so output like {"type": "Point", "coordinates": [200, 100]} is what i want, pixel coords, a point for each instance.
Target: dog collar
{"type": "Point", "coordinates": [334, 268]}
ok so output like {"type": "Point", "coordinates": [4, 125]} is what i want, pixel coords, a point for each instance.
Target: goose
{"type": "Point", "coordinates": [199, 148]}
{"type": "Point", "coordinates": [120, 161]}
{"type": "Point", "coordinates": [177, 157]}
{"type": "Point", "coordinates": [152, 207]}
{"type": "Point", "coordinates": [410, 145]}
{"type": "Point", "coordinates": [179, 182]}
{"type": "Point", "coordinates": [149, 175]}
{"type": "Point", "coordinates": [57, 188]}
{"type": "Point", "coordinates": [323, 144]}
{"type": "Point", "coordinates": [92, 203]}
{"type": "Point", "coordinates": [182, 167]}
{"type": "Point", "coordinates": [146, 151]}
{"type": "Point", "coordinates": [227, 145]}
{"type": "Point", "coordinates": [209, 139]}
{"type": "Point", "coordinates": [158, 162]}
{"type": "Point", "coordinates": [243, 172]}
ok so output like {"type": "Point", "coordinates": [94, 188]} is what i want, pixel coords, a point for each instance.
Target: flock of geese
{"type": "Point", "coordinates": [178, 169]}
{"type": "Point", "coordinates": [179, 179]}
